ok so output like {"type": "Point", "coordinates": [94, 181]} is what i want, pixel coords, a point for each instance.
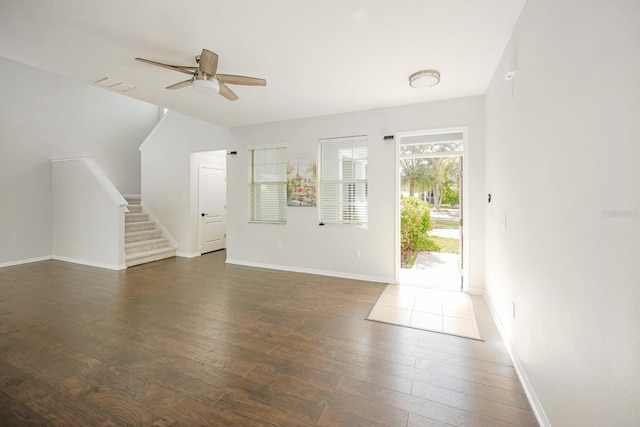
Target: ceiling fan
{"type": "Point", "coordinates": [204, 77]}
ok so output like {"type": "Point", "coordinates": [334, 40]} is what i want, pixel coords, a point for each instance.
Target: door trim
{"type": "Point", "coordinates": [216, 158]}
{"type": "Point", "coordinates": [202, 166]}
{"type": "Point", "coordinates": [465, 198]}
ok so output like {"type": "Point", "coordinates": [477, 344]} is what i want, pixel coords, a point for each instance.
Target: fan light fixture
{"type": "Point", "coordinates": [424, 78]}
{"type": "Point", "coordinates": [206, 86]}
{"type": "Point", "coordinates": [205, 78]}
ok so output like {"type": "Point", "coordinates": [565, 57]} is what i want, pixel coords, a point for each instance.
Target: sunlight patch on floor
{"type": "Point", "coordinates": [429, 309]}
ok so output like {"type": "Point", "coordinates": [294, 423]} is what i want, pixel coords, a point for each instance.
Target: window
{"type": "Point", "coordinates": [343, 181]}
{"type": "Point", "coordinates": [268, 184]}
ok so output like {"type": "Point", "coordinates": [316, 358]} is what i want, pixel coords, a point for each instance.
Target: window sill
{"type": "Point", "coordinates": [342, 225]}
{"type": "Point", "coordinates": [268, 222]}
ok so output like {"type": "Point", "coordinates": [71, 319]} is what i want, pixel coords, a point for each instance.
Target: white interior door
{"type": "Point", "coordinates": [213, 200]}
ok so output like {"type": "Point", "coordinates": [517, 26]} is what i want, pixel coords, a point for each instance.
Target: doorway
{"type": "Point", "coordinates": [430, 227]}
{"type": "Point", "coordinates": [211, 200]}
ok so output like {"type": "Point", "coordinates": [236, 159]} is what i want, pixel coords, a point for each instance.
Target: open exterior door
{"type": "Point", "coordinates": [461, 189]}
{"type": "Point", "coordinates": [431, 175]}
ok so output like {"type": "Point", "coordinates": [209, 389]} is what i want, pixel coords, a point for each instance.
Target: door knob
{"type": "Point", "coordinates": [203, 214]}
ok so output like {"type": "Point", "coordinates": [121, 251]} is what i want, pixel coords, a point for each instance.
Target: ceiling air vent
{"type": "Point", "coordinates": [112, 84]}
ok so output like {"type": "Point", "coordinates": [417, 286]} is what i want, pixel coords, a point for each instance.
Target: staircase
{"type": "Point", "coordinates": [143, 240]}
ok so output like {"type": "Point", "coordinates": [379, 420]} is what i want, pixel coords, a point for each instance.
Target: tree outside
{"type": "Point", "coordinates": [435, 179]}
{"type": "Point", "coordinates": [430, 201]}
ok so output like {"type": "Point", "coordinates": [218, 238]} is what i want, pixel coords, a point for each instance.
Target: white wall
{"type": "Point", "coordinates": [87, 215]}
{"type": "Point", "coordinates": [43, 116]}
{"type": "Point", "coordinates": [330, 250]}
{"type": "Point", "coordinates": [563, 166]}
{"type": "Point", "coordinates": [166, 174]}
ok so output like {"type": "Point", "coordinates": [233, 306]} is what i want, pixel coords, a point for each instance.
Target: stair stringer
{"type": "Point", "coordinates": [152, 217]}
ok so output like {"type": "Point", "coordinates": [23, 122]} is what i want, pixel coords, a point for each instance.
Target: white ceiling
{"type": "Point", "coordinates": [318, 57]}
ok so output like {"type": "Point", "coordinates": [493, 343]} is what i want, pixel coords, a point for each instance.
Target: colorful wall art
{"type": "Point", "coordinates": [301, 182]}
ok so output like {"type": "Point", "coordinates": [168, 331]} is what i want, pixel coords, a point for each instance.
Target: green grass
{"type": "Point", "coordinates": [446, 224]}
{"type": "Point", "coordinates": [435, 244]}
{"type": "Point", "coordinates": [411, 260]}
{"type": "Point", "coordinates": [447, 245]}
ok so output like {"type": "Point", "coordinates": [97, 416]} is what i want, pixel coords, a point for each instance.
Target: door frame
{"type": "Point", "coordinates": [202, 166]}
{"type": "Point", "coordinates": [464, 202]}
{"type": "Point", "coordinates": [197, 158]}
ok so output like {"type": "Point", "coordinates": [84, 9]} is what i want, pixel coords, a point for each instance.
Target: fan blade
{"type": "Point", "coordinates": [180, 85]}
{"type": "Point", "coordinates": [241, 80]}
{"type": "Point", "coordinates": [170, 67]}
{"type": "Point", "coordinates": [227, 93]}
{"type": "Point", "coordinates": [208, 62]}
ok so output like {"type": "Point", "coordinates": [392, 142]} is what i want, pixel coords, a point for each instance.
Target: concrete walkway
{"type": "Point", "coordinates": [444, 262]}
{"type": "Point", "coordinates": [434, 270]}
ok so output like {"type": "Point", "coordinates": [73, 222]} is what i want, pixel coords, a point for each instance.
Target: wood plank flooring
{"type": "Point", "coordinates": [198, 342]}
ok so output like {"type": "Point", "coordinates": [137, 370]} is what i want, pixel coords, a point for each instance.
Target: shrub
{"type": "Point", "coordinates": [450, 195]}
{"type": "Point", "coordinates": [415, 221]}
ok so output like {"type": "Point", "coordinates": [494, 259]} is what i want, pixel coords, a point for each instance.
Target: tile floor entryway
{"type": "Point", "coordinates": [434, 310]}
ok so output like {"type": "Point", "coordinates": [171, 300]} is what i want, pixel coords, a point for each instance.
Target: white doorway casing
{"type": "Point", "coordinates": [212, 160]}
{"type": "Point", "coordinates": [213, 204]}
{"type": "Point", "coordinates": [465, 198]}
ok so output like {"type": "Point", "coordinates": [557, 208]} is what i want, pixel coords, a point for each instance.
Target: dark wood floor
{"type": "Point", "coordinates": [198, 342]}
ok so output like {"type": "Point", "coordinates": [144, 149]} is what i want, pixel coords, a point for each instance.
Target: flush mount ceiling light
{"type": "Point", "coordinates": [206, 86]}
{"type": "Point", "coordinates": [424, 78]}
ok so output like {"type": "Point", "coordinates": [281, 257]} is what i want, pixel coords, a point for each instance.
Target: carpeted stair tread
{"type": "Point", "coordinates": [149, 256]}
{"type": "Point", "coordinates": [147, 245]}
{"type": "Point", "coordinates": [136, 236]}
{"type": "Point", "coordinates": [147, 242]}
{"type": "Point", "coordinates": [131, 217]}
{"type": "Point", "coordinates": [144, 241]}
{"type": "Point", "coordinates": [139, 226]}
{"type": "Point", "coordinates": [151, 252]}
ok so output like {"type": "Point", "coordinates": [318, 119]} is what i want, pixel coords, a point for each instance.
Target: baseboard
{"type": "Point", "coordinates": [536, 406]}
{"type": "Point", "coordinates": [187, 255]}
{"type": "Point", "coordinates": [311, 271]}
{"type": "Point", "coordinates": [89, 263]}
{"type": "Point", "coordinates": [476, 291]}
{"type": "Point", "coordinates": [25, 261]}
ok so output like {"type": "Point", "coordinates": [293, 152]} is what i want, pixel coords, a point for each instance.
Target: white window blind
{"type": "Point", "coordinates": [343, 181]}
{"type": "Point", "coordinates": [268, 184]}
